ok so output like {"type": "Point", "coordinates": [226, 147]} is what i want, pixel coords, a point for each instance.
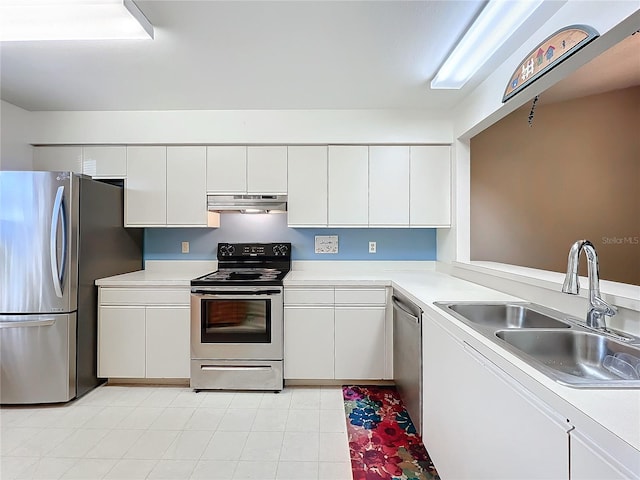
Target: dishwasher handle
{"type": "Point", "coordinates": [399, 305]}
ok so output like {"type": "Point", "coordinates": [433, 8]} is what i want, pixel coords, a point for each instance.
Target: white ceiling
{"type": "Point", "coordinates": [210, 55]}
{"type": "Point", "coordinates": [248, 55]}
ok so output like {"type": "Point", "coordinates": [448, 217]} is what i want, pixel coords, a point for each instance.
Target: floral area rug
{"type": "Point", "coordinates": [383, 442]}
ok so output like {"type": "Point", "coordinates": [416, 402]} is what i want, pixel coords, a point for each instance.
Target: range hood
{"type": "Point", "coordinates": [247, 203]}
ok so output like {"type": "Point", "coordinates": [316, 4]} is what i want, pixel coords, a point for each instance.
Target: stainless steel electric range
{"type": "Point", "coordinates": [237, 317]}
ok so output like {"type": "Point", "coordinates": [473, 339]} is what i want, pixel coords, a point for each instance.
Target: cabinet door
{"type": "Point", "coordinates": [589, 462]}
{"type": "Point", "coordinates": [307, 185]}
{"type": "Point", "coordinates": [104, 162]}
{"type": "Point", "coordinates": [145, 194]}
{"type": "Point", "coordinates": [227, 170]}
{"type": "Point", "coordinates": [360, 343]}
{"type": "Point", "coordinates": [186, 186]}
{"type": "Point", "coordinates": [481, 424]}
{"type": "Point", "coordinates": [430, 190]}
{"type": "Point", "coordinates": [308, 342]}
{"type": "Point", "coordinates": [267, 170]}
{"type": "Point", "coordinates": [58, 159]}
{"type": "Point", "coordinates": [389, 186]}
{"type": "Point", "coordinates": [348, 186]}
{"type": "Point", "coordinates": [168, 350]}
{"type": "Point", "coordinates": [121, 342]}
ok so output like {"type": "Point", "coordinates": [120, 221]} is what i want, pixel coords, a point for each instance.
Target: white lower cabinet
{"type": "Point", "coordinates": [360, 342]}
{"type": "Point", "coordinates": [336, 333]}
{"type": "Point", "coordinates": [590, 462]}
{"type": "Point", "coordinates": [167, 342]}
{"type": "Point", "coordinates": [121, 339]}
{"type": "Point", "coordinates": [479, 423]}
{"type": "Point", "coordinates": [143, 333]}
{"type": "Point", "coordinates": [309, 342]}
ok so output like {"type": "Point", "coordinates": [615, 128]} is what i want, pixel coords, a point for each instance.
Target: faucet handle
{"type": "Point", "coordinates": [604, 307]}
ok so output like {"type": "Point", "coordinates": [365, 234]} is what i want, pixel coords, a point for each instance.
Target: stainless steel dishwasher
{"type": "Point", "coordinates": [407, 356]}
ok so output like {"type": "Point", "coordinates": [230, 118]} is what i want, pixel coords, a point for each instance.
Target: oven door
{"type": "Point", "coordinates": [237, 323]}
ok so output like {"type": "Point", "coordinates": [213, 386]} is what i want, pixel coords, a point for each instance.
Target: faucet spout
{"type": "Point", "coordinates": [598, 308]}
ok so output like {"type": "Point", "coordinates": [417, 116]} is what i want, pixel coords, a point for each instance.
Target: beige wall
{"type": "Point", "coordinates": [574, 174]}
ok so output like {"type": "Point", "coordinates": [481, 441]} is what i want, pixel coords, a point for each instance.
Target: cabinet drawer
{"type": "Point", "coordinates": [364, 296]}
{"type": "Point", "coordinates": [308, 296]}
{"type": "Point", "coordinates": [144, 296]}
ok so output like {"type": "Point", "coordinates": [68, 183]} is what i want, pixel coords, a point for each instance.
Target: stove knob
{"type": "Point", "coordinates": [280, 250]}
{"type": "Point", "coordinates": [230, 249]}
{"type": "Point", "coordinates": [223, 250]}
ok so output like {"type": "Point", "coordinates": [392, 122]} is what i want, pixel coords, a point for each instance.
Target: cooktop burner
{"type": "Point", "coordinates": [249, 264]}
{"type": "Point", "coordinates": [243, 274]}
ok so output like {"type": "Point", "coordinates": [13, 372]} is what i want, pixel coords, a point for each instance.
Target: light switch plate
{"type": "Point", "coordinates": [326, 244]}
{"type": "Point", "coordinates": [185, 247]}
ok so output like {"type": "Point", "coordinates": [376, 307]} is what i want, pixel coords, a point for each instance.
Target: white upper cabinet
{"type": "Point", "coordinates": [186, 186]}
{"type": "Point", "coordinates": [348, 186]}
{"type": "Point", "coordinates": [307, 184]}
{"type": "Point", "coordinates": [166, 186]}
{"type": "Point", "coordinates": [227, 170]}
{"type": "Point", "coordinates": [388, 186]}
{"type": "Point", "coordinates": [146, 186]}
{"type": "Point", "coordinates": [430, 189]}
{"type": "Point", "coordinates": [267, 170]}
{"type": "Point", "coordinates": [237, 170]}
{"type": "Point", "coordinates": [109, 161]}
{"type": "Point", "coordinates": [58, 159]}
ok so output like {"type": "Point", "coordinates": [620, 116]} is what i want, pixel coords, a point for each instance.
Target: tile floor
{"type": "Point", "coordinates": [139, 432]}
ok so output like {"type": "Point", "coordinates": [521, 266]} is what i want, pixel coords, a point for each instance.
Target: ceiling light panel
{"type": "Point", "coordinates": [498, 20]}
{"type": "Point", "coordinates": [33, 20]}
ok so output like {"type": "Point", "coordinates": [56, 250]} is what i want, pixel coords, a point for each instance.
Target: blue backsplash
{"type": "Point", "coordinates": [392, 243]}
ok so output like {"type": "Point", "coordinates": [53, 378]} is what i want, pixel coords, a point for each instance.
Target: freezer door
{"type": "Point", "coordinates": [38, 242]}
{"type": "Point", "coordinates": [37, 358]}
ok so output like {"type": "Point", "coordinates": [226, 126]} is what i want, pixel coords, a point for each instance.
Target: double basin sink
{"type": "Point", "coordinates": [555, 344]}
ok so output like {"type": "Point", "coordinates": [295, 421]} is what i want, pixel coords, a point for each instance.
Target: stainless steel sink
{"type": "Point", "coordinates": [556, 344]}
{"type": "Point", "coordinates": [506, 315]}
{"type": "Point", "coordinates": [575, 358]}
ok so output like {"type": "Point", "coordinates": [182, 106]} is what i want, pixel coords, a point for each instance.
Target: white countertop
{"type": "Point", "coordinates": [161, 273]}
{"type": "Point", "coordinates": [616, 410]}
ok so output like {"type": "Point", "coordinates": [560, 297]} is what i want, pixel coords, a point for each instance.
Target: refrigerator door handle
{"type": "Point", "coordinates": [58, 211]}
{"type": "Point", "coordinates": [29, 323]}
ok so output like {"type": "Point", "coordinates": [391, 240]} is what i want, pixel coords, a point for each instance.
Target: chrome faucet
{"type": "Point", "coordinates": [598, 308]}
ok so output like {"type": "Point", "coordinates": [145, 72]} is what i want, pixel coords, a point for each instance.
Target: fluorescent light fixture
{"type": "Point", "coordinates": [26, 20]}
{"type": "Point", "coordinates": [493, 27]}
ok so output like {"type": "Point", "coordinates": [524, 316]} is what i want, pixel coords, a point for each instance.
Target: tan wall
{"type": "Point", "coordinates": [574, 174]}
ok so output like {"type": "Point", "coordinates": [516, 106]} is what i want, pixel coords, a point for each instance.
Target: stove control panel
{"type": "Point", "coordinates": [260, 250]}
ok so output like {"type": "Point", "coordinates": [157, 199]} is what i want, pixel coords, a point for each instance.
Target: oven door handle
{"type": "Point", "coordinates": [236, 292]}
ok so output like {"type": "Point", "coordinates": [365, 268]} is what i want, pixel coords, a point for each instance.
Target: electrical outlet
{"type": "Point", "coordinates": [372, 247]}
{"type": "Point", "coordinates": [185, 247]}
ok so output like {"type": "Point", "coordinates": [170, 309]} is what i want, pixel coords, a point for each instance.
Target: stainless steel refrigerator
{"type": "Point", "coordinates": [59, 232]}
